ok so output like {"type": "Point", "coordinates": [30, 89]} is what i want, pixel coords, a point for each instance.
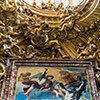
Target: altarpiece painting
{"type": "Point", "coordinates": [45, 79]}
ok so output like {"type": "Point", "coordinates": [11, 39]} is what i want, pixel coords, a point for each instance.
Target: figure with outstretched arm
{"type": "Point", "coordinates": [42, 79]}
{"type": "Point", "coordinates": [73, 90]}
{"type": "Point", "coordinates": [29, 86]}
{"type": "Point", "coordinates": [41, 76]}
{"type": "Point", "coordinates": [68, 95]}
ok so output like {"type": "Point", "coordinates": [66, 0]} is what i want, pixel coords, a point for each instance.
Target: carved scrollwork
{"type": "Point", "coordinates": [97, 54]}
{"type": "Point", "coordinates": [2, 72]}
{"type": "Point", "coordinates": [2, 69]}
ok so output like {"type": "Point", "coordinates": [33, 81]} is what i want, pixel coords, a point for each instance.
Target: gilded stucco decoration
{"type": "Point", "coordinates": [28, 31]}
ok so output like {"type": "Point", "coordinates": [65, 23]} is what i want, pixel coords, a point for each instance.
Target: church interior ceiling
{"type": "Point", "coordinates": [49, 31]}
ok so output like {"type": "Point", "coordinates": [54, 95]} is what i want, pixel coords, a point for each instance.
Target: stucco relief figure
{"type": "Point", "coordinates": [60, 7]}
{"type": "Point", "coordinates": [68, 20]}
{"type": "Point", "coordinates": [89, 50]}
{"type": "Point", "coordinates": [52, 6]}
{"type": "Point", "coordinates": [30, 52]}
{"type": "Point", "coordinates": [8, 5]}
{"type": "Point", "coordinates": [9, 46]}
{"type": "Point", "coordinates": [49, 5]}
{"type": "Point", "coordinates": [41, 40]}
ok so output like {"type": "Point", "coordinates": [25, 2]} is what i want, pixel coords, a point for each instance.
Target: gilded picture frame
{"type": "Point", "coordinates": [49, 79]}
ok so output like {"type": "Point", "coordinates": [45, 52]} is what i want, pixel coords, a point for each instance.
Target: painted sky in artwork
{"type": "Point", "coordinates": [61, 76]}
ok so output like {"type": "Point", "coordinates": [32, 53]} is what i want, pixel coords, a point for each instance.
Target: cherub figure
{"type": "Point", "coordinates": [30, 52]}
{"type": "Point", "coordinates": [89, 50]}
